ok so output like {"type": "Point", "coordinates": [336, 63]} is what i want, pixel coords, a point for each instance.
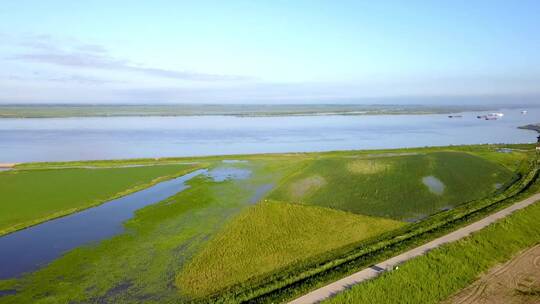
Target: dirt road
{"type": "Point", "coordinates": [327, 291]}
{"type": "Point", "coordinates": [514, 282]}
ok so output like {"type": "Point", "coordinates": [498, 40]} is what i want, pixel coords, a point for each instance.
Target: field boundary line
{"type": "Point", "coordinates": [373, 271]}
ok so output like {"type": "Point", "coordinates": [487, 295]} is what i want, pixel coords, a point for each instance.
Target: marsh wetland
{"type": "Point", "coordinates": [220, 227]}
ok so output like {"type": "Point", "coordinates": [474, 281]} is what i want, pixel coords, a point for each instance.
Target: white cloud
{"type": "Point", "coordinates": [77, 55]}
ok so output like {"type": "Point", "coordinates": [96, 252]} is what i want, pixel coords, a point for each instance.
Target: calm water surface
{"type": "Point", "coordinates": [55, 139]}
{"type": "Point", "coordinates": [434, 184]}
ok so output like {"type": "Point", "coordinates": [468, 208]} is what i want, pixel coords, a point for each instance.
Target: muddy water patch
{"type": "Point", "coordinates": [221, 174]}
{"type": "Point", "coordinates": [260, 192]}
{"type": "Point", "coordinates": [434, 184]}
{"type": "Point", "coordinates": [7, 292]}
{"type": "Point", "coordinates": [416, 218]}
{"type": "Point", "coordinates": [233, 161]}
{"type": "Point", "coordinates": [304, 186]}
{"type": "Point", "coordinates": [368, 166]}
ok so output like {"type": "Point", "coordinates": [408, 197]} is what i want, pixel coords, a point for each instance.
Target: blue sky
{"type": "Point", "coordinates": [266, 51]}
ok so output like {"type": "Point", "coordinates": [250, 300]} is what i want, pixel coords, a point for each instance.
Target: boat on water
{"type": "Point", "coordinates": [491, 116]}
{"type": "Point", "coordinates": [523, 112]}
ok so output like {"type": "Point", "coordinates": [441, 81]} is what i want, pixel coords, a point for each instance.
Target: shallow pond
{"type": "Point", "coordinates": [233, 161]}
{"type": "Point", "coordinates": [261, 191]}
{"type": "Point", "coordinates": [221, 174]}
{"type": "Point", "coordinates": [434, 184]}
{"type": "Point", "coordinates": [29, 249]}
{"type": "Point", "coordinates": [7, 292]}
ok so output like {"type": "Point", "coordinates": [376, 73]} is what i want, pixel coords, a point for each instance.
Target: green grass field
{"type": "Point", "coordinates": [391, 185]}
{"type": "Point", "coordinates": [446, 270]}
{"type": "Point", "coordinates": [33, 196]}
{"type": "Point", "coordinates": [270, 236]}
{"type": "Point", "coordinates": [221, 238]}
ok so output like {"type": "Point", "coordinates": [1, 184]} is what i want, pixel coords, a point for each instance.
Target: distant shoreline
{"type": "Point", "coordinates": [533, 127]}
{"type": "Point", "coordinates": [7, 165]}
{"type": "Point", "coordinates": [61, 111]}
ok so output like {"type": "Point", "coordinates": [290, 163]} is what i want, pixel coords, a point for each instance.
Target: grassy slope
{"type": "Point", "coordinates": [392, 186]}
{"type": "Point", "coordinates": [140, 265]}
{"type": "Point", "coordinates": [446, 270]}
{"type": "Point", "coordinates": [33, 196]}
{"type": "Point", "coordinates": [272, 235]}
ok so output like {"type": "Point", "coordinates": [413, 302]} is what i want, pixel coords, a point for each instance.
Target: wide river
{"type": "Point", "coordinates": [59, 139]}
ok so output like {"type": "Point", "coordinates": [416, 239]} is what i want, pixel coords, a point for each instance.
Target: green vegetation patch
{"type": "Point", "coordinates": [368, 166]}
{"type": "Point", "coordinates": [394, 186]}
{"type": "Point", "coordinates": [33, 196]}
{"type": "Point", "coordinates": [270, 236]}
{"type": "Point", "coordinates": [446, 270]}
{"type": "Point", "coordinates": [510, 157]}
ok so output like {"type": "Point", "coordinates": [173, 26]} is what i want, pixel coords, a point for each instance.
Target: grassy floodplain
{"type": "Point", "coordinates": [141, 264]}
{"type": "Point", "coordinates": [33, 196]}
{"type": "Point", "coordinates": [166, 253]}
{"type": "Point", "coordinates": [446, 270]}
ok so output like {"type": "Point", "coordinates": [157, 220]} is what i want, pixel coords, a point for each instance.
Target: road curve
{"type": "Point", "coordinates": [332, 289]}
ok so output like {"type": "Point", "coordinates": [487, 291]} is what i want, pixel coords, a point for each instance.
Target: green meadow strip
{"type": "Point", "coordinates": [29, 191]}
{"type": "Point", "coordinates": [448, 269]}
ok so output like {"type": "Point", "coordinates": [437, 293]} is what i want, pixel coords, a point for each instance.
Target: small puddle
{"type": "Point", "coordinates": [434, 184]}
{"type": "Point", "coordinates": [224, 173]}
{"type": "Point", "coordinates": [233, 161]}
{"type": "Point", "coordinates": [260, 192]}
{"type": "Point", "coordinates": [7, 292]}
{"type": "Point", "coordinates": [29, 249]}
{"type": "Point", "coordinates": [415, 219]}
